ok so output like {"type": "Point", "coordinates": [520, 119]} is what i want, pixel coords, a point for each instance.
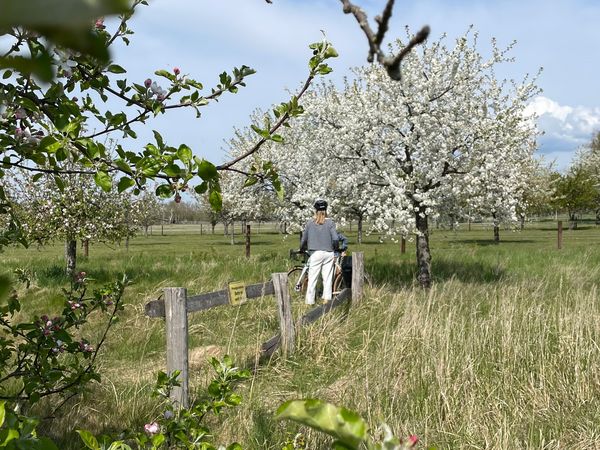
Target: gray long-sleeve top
{"type": "Point", "coordinates": [319, 237]}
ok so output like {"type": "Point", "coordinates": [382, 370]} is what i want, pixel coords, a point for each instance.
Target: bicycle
{"type": "Point", "coordinates": [298, 275]}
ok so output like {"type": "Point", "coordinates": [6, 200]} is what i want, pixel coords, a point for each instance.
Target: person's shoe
{"type": "Point", "coordinates": [324, 301]}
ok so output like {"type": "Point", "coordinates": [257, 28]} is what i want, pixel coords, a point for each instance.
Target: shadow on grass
{"type": "Point", "coordinates": [402, 274]}
{"type": "Point", "coordinates": [488, 242]}
{"type": "Point", "coordinates": [55, 275]}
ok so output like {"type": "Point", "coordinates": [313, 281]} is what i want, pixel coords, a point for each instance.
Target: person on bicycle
{"type": "Point", "coordinates": [321, 239]}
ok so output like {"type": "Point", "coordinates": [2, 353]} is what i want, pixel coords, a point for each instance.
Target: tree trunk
{"type": "Point", "coordinates": [146, 230]}
{"type": "Point", "coordinates": [86, 247]}
{"type": "Point", "coordinates": [360, 229]}
{"type": "Point", "coordinates": [423, 253]}
{"type": "Point", "coordinates": [213, 225]}
{"type": "Point", "coordinates": [572, 221]}
{"type": "Point", "coordinates": [232, 233]}
{"type": "Point", "coordinates": [496, 230]}
{"type": "Point", "coordinates": [71, 256]}
{"type": "Point", "coordinates": [522, 217]}
{"type": "Point", "coordinates": [225, 229]}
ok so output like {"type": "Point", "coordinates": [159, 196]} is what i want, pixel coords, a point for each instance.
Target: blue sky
{"type": "Point", "coordinates": [205, 37]}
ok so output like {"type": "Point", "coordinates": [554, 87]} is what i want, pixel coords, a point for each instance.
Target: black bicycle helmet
{"type": "Point", "coordinates": [320, 205]}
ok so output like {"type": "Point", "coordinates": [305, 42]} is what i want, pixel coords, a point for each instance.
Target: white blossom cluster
{"type": "Point", "coordinates": [80, 210]}
{"type": "Point", "coordinates": [449, 139]}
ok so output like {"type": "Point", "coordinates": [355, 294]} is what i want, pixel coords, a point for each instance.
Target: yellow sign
{"type": "Point", "coordinates": [237, 293]}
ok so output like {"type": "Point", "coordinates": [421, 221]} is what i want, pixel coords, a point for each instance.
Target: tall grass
{"type": "Point", "coordinates": [502, 352]}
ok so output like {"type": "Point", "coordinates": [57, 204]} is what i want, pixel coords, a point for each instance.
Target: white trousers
{"type": "Point", "coordinates": [319, 261]}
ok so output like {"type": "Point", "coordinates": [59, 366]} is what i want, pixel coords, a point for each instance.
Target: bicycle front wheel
{"type": "Point", "coordinates": [338, 284]}
{"type": "Point", "coordinates": [298, 282]}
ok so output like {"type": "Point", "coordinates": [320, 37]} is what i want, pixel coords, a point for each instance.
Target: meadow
{"type": "Point", "coordinates": [502, 352]}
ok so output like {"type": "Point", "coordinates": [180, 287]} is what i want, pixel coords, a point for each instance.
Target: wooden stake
{"type": "Point", "coordinates": [177, 341]}
{"type": "Point", "coordinates": [284, 306]}
{"type": "Point", "coordinates": [358, 277]}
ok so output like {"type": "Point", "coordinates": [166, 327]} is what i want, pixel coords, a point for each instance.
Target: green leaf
{"type": "Point", "coordinates": [201, 188]}
{"type": "Point", "coordinates": [276, 138]}
{"type": "Point", "coordinates": [331, 52]}
{"type": "Point", "coordinates": [2, 402]}
{"type": "Point", "coordinates": [184, 153]}
{"type": "Point", "coordinates": [206, 170]}
{"type": "Point", "coordinates": [46, 444]}
{"type": "Point", "coordinates": [215, 200]}
{"type": "Point", "coordinates": [159, 139]}
{"type": "Point", "coordinates": [9, 435]}
{"type": "Point", "coordinates": [172, 170]}
{"type": "Point", "coordinates": [345, 425]}
{"type": "Point", "coordinates": [251, 180]}
{"type": "Point", "coordinates": [103, 180]}
{"type": "Point", "coordinates": [164, 191]}
{"type": "Point", "coordinates": [88, 439]}
{"type": "Point", "coordinates": [158, 440]}
{"type": "Point", "coordinates": [166, 74]}
{"type": "Point", "coordinates": [124, 184]}
{"type": "Point", "coordinates": [40, 66]}
{"type": "Point", "coordinates": [49, 144]}
{"type": "Point", "coordinates": [60, 184]}
{"type": "Point", "coordinates": [115, 68]}
{"type": "Point", "coordinates": [69, 14]}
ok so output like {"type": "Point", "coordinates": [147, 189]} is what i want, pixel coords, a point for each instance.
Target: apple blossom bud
{"type": "Point", "coordinates": [176, 70]}
{"type": "Point", "coordinates": [148, 83]}
{"type": "Point", "coordinates": [412, 440]}
{"type": "Point", "coordinates": [151, 428]}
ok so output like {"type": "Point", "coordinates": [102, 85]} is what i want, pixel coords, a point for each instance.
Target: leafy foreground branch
{"type": "Point", "coordinates": [50, 355]}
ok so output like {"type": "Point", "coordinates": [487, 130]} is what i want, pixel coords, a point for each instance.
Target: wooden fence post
{"type": "Point", "coordinates": [358, 276]}
{"type": "Point", "coordinates": [403, 245]}
{"type": "Point", "coordinates": [177, 341]}
{"type": "Point", "coordinates": [284, 306]}
{"type": "Point", "coordinates": [247, 241]}
{"type": "Point", "coordinates": [560, 232]}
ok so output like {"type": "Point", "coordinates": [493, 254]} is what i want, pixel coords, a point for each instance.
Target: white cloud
{"type": "Point", "coordinates": [565, 127]}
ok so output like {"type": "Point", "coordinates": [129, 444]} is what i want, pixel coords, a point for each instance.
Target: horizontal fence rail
{"type": "Point", "coordinates": [176, 305]}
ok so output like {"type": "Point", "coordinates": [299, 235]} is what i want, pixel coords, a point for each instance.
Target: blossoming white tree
{"type": "Point", "coordinates": [79, 211]}
{"type": "Point", "coordinates": [449, 128]}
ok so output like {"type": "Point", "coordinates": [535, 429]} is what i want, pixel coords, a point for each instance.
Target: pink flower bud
{"type": "Point", "coordinates": [148, 83]}
{"type": "Point", "coordinates": [100, 24]}
{"type": "Point", "coordinates": [151, 428]}
{"type": "Point", "coordinates": [177, 198]}
{"type": "Point", "coordinates": [412, 440]}
{"type": "Point", "coordinates": [176, 70]}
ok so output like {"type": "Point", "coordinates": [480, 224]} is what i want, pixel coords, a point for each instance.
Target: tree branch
{"type": "Point", "coordinates": [284, 118]}
{"type": "Point", "coordinates": [391, 63]}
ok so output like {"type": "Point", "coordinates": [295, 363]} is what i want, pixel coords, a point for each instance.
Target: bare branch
{"type": "Point", "coordinates": [391, 63]}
